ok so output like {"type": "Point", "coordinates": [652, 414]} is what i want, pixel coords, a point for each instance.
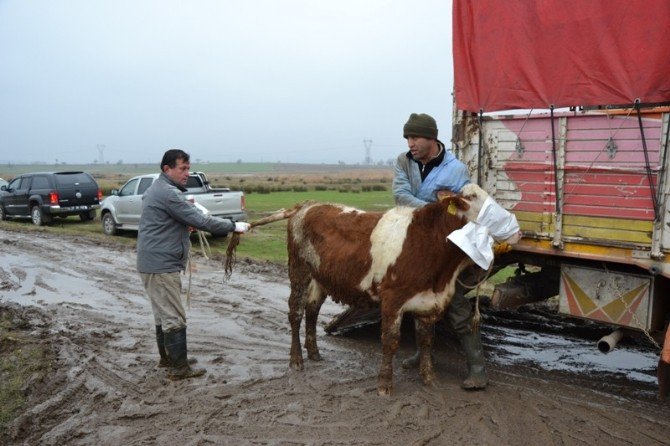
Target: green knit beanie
{"type": "Point", "coordinates": [420, 124]}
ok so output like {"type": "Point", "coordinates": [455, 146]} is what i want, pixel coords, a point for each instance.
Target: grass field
{"type": "Point", "coordinates": [263, 243]}
{"type": "Point", "coordinates": [269, 242]}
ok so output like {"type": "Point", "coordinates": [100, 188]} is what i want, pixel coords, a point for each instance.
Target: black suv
{"type": "Point", "coordinates": [44, 195]}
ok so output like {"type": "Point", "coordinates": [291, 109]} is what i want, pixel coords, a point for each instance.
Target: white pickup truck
{"type": "Point", "coordinates": [122, 209]}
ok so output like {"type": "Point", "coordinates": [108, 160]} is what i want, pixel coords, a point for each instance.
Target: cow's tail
{"type": "Point", "coordinates": [281, 214]}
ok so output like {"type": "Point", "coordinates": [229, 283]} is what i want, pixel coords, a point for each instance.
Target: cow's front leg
{"type": "Point", "coordinates": [391, 319]}
{"type": "Point", "coordinates": [425, 327]}
{"type": "Point", "coordinates": [315, 298]}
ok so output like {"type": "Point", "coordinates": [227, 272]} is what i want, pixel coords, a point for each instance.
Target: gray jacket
{"type": "Point", "coordinates": [163, 238]}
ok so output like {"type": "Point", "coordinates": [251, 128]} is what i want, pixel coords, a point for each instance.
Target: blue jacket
{"type": "Point", "coordinates": [163, 239]}
{"type": "Point", "coordinates": [409, 190]}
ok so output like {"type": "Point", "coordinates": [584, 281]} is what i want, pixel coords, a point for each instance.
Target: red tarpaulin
{"type": "Point", "coordinates": [521, 54]}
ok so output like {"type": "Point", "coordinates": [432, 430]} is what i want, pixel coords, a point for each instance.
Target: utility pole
{"type": "Point", "coordinates": [101, 153]}
{"type": "Point", "coordinates": [368, 144]}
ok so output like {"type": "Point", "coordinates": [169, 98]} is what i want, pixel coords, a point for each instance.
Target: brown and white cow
{"type": "Point", "coordinates": [400, 259]}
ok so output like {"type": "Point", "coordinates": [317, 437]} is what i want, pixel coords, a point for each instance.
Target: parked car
{"type": "Point", "coordinates": [43, 195]}
{"type": "Point", "coordinates": [122, 209]}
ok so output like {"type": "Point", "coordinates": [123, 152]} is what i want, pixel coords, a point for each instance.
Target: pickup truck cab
{"type": "Point", "coordinates": [122, 209]}
{"type": "Point", "coordinates": [41, 196]}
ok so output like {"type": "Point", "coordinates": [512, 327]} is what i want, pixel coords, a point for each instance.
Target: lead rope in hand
{"type": "Point", "coordinates": [204, 246]}
{"type": "Point", "coordinates": [477, 317]}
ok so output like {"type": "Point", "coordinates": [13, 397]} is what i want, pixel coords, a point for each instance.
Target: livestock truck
{"type": "Point", "coordinates": [561, 114]}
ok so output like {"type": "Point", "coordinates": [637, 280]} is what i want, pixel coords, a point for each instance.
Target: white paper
{"type": "Point", "coordinates": [476, 238]}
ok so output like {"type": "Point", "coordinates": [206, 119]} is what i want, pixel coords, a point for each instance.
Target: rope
{"type": "Point", "coordinates": [647, 165]}
{"type": "Point", "coordinates": [476, 318]}
{"type": "Point", "coordinates": [231, 257]}
{"type": "Point", "coordinates": [612, 135]}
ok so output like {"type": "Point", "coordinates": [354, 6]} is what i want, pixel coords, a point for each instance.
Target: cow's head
{"type": "Point", "coordinates": [474, 196]}
{"type": "Point", "coordinates": [501, 223]}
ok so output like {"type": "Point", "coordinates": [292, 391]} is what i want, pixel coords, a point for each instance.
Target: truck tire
{"type": "Point", "coordinates": [108, 225]}
{"type": "Point", "coordinates": [38, 217]}
{"type": "Point", "coordinates": [87, 216]}
{"type": "Point", "coordinates": [3, 215]}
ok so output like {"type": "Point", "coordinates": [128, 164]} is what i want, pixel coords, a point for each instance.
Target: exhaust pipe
{"type": "Point", "coordinates": [607, 343]}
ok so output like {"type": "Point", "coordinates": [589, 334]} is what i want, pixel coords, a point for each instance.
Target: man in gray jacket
{"type": "Point", "coordinates": [163, 246]}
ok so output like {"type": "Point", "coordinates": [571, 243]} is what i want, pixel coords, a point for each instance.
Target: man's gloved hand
{"type": "Point", "coordinates": [241, 227]}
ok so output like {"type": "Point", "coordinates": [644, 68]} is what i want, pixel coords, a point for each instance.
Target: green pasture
{"type": "Point", "coordinates": [268, 242]}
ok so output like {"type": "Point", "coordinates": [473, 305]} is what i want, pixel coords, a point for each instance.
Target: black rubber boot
{"type": "Point", "coordinates": [175, 345]}
{"type": "Point", "coordinates": [412, 362]}
{"type": "Point", "coordinates": [472, 345]}
{"type": "Point", "coordinates": [663, 374]}
{"type": "Point", "coordinates": [160, 341]}
{"type": "Point", "coordinates": [165, 359]}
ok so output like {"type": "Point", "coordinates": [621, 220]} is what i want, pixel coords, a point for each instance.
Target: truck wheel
{"type": "Point", "coordinates": [108, 225]}
{"type": "Point", "coordinates": [87, 216]}
{"type": "Point", "coordinates": [38, 217]}
{"type": "Point", "coordinates": [3, 216]}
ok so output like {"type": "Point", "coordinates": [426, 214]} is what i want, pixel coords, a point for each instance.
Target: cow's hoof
{"type": "Point", "coordinates": [384, 390]}
{"type": "Point", "coordinates": [298, 366]}
{"type": "Point", "coordinates": [428, 381]}
{"type": "Point", "coordinates": [314, 356]}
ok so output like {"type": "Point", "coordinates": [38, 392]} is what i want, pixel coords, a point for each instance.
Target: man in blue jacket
{"type": "Point", "coordinates": [163, 246]}
{"type": "Point", "coordinates": [418, 176]}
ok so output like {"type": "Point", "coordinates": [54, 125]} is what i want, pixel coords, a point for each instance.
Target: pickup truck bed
{"type": "Point", "coordinates": [122, 209]}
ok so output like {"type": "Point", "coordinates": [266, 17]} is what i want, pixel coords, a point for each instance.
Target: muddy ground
{"type": "Point", "coordinates": [85, 298]}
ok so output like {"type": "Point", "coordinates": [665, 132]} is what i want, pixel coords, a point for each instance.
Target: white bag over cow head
{"type": "Point", "coordinates": [492, 221]}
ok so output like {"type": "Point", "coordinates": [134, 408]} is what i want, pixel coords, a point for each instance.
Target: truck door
{"type": "Point", "coordinates": [17, 199]}
{"type": "Point", "coordinates": [129, 204]}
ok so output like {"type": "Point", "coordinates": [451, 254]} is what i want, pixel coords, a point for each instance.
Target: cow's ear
{"type": "Point", "coordinates": [444, 193]}
{"type": "Point", "coordinates": [455, 204]}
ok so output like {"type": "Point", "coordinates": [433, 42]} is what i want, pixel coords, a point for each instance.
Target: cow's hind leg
{"type": "Point", "coordinates": [391, 320]}
{"type": "Point", "coordinates": [315, 298]}
{"type": "Point", "coordinates": [424, 341]}
{"type": "Point", "coordinates": [300, 279]}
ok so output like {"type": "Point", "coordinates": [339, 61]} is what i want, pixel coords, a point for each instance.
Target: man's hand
{"type": "Point", "coordinates": [241, 227]}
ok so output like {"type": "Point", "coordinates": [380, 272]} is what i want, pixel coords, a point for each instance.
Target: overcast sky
{"type": "Point", "coordinates": [256, 80]}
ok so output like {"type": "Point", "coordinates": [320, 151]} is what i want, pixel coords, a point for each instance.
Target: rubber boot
{"type": "Point", "coordinates": [413, 361]}
{"type": "Point", "coordinates": [165, 359]}
{"type": "Point", "coordinates": [663, 373]}
{"type": "Point", "coordinates": [160, 341]}
{"type": "Point", "coordinates": [175, 344]}
{"type": "Point", "coordinates": [474, 354]}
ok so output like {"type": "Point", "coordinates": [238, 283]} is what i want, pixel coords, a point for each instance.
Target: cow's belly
{"type": "Point", "coordinates": [427, 302]}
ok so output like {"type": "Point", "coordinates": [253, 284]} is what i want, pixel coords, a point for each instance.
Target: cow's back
{"type": "Point", "coordinates": [332, 243]}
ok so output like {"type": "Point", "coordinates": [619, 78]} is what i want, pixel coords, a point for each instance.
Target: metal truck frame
{"type": "Point", "coordinates": [591, 197]}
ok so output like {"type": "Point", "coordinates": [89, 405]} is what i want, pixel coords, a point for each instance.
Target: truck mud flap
{"type": "Point", "coordinates": [353, 318]}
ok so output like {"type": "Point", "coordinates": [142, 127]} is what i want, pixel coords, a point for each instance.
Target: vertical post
{"type": "Point", "coordinates": [480, 148]}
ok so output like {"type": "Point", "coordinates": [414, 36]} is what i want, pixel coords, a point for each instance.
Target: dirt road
{"type": "Point", "coordinates": [89, 302]}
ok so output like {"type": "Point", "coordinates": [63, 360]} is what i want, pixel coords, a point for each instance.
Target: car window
{"type": "Point", "coordinates": [15, 184]}
{"type": "Point", "coordinates": [40, 183]}
{"type": "Point", "coordinates": [73, 178]}
{"type": "Point", "coordinates": [144, 185]}
{"type": "Point", "coordinates": [129, 188]}
{"type": "Point", "coordinates": [193, 182]}
{"type": "Point", "coordinates": [20, 183]}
